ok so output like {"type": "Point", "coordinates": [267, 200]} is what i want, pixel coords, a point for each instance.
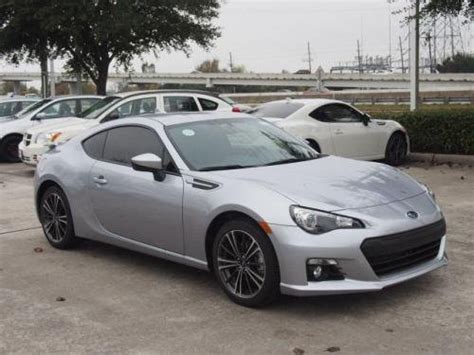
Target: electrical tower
{"type": "Point", "coordinates": [442, 38]}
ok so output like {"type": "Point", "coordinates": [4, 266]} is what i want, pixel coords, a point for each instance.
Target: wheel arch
{"type": "Point", "coordinates": [217, 223]}
{"type": "Point", "coordinates": [314, 144]}
{"type": "Point", "coordinates": [42, 189]}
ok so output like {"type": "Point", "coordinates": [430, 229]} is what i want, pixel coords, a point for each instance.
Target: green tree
{"type": "Point", "coordinates": [22, 37]}
{"type": "Point", "coordinates": [93, 34]}
{"type": "Point", "coordinates": [448, 7]}
{"type": "Point", "coordinates": [460, 63]}
{"type": "Point", "coordinates": [209, 66]}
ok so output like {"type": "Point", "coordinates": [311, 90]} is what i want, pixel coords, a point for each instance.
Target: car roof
{"type": "Point", "coordinates": [177, 91]}
{"type": "Point", "coordinates": [65, 97]}
{"type": "Point", "coordinates": [20, 98]}
{"type": "Point", "coordinates": [170, 119]}
{"type": "Point", "coordinates": [314, 102]}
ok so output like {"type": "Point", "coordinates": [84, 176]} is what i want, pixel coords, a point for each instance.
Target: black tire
{"type": "Point", "coordinates": [9, 148]}
{"type": "Point", "coordinates": [56, 219]}
{"type": "Point", "coordinates": [258, 267]}
{"type": "Point", "coordinates": [314, 145]}
{"type": "Point", "coordinates": [396, 151]}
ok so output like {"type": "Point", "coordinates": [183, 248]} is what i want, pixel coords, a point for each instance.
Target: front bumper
{"type": "Point", "coordinates": [356, 286]}
{"type": "Point", "coordinates": [32, 153]}
{"type": "Point", "coordinates": [294, 247]}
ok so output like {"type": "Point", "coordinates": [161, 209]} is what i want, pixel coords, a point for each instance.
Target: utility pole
{"type": "Point", "coordinates": [231, 62]}
{"type": "Point", "coordinates": [390, 37]}
{"type": "Point", "coordinates": [359, 57]}
{"type": "Point", "coordinates": [428, 39]}
{"type": "Point", "coordinates": [52, 76]}
{"type": "Point", "coordinates": [401, 54]}
{"type": "Point", "coordinates": [310, 59]}
{"type": "Point", "coordinates": [435, 45]}
{"type": "Point", "coordinates": [415, 56]}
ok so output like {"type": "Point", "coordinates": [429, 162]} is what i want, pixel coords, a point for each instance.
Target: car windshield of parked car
{"type": "Point", "coordinates": [277, 109]}
{"type": "Point", "coordinates": [235, 144]}
{"type": "Point", "coordinates": [32, 108]}
{"type": "Point", "coordinates": [101, 106]}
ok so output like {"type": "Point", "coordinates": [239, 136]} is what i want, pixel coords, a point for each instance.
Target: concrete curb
{"type": "Point", "coordinates": [442, 158]}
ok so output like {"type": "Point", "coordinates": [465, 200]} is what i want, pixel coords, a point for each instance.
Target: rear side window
{"type": "Point", "coordinates": [94, 146]}
{"type": "Point", "coordinates": [336, 113]}
{"type": "Point", "coordinates": [208, 105]}
{"type": "Point", "coordinates": [277, 109]}
{"type": "Point", "coordinates": [180, 104]}
{"type": "Point", "coordinates": [123, 143]}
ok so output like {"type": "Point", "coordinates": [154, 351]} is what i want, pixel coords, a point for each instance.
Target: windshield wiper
{"type": "Point", "coordinates": [288, 161]}
{"type": "Point", "coordinates": [224, 167]}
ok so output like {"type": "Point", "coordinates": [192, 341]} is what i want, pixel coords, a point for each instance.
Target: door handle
{"type": "Point", "coordinates": [338, 131]}
{"type": "Point", "coordinates": [100, 180]}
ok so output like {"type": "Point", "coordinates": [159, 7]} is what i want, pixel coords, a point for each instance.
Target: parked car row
{"type": "Point", "coordinates": [55, 120]}
{"type": "Point", "coordinates": [330, 127]}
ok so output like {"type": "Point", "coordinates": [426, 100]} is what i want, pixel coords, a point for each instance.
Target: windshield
{"type": "Point", "coordinates": [100, 106]}
{"type": "Point", "coordinates": [33, 107]}
{"type": "Point", "coordinates": [277, 109]}
{"type": "Point", "coordinates": [235, 144]}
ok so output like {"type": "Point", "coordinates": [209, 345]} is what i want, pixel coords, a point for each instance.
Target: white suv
{"type": "Point", "coordinates": [38, 140]}
{"type": "Point", "coordinates": [51, 109]}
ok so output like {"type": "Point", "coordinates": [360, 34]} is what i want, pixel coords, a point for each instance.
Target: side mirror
{"type": "Point", "coordinates": [151, 163]}
{"type": "Point", "coordinates": [40, 116]}
{"type": "Point", "coordinates": [112, 116]}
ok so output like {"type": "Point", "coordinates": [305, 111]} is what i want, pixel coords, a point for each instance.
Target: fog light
{"type": "Point", "coordinates": [323, 270]}
{"type": "Point", "coordinates": [317, 272]}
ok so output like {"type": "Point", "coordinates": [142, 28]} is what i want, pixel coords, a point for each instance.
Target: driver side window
{"type": "Point", "coordinates": [66, 108]}
{"type": "Point", "coordinates": [336, 113]}
{"type": "Point", "coordinates": [135, 107]}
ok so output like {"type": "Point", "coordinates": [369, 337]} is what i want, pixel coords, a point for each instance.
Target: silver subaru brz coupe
{"type": "Point", "coordinates": [236, 195]}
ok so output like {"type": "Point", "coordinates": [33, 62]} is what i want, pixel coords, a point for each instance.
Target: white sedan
{"type": "Point", "coordinates": [336, 128]}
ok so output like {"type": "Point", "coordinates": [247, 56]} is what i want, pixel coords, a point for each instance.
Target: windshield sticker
{"type": "Point", "coordinates": [188, 132]}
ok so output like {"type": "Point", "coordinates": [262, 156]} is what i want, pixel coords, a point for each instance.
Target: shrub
{"type": "Point", "coordinates": [443, 131]}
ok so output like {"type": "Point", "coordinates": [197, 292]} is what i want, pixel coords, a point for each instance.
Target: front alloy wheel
{"type": "Point", "coordinates": [245, 264]}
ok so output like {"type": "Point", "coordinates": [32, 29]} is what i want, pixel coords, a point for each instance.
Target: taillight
{"type": "Point", "coordinates": [235, 109]}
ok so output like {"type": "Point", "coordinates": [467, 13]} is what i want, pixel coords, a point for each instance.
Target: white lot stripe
{"type": "Point", "coordinates": [20, 230]}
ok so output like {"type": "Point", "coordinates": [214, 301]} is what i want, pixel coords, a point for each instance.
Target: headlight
{"type": "Point", "coordinates": [317, 222]}
{"type": "Point", "coordinates": [47, 138]}
{"type": "Point", "coordinates": [429, 191]}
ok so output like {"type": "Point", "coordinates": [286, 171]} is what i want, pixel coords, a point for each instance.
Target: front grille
{"type": "Point", "coordinates": [401, 251]}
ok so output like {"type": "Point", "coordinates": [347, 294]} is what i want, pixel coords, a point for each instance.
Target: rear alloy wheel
{"type": "Point", "coordinates": [245, 264]}
{"type": "Point", "coordinates": [396, 151]}
{"type": "Point", "coordinates": [9, 148]}
{"type": "Point", "coordinates": [56, 219]}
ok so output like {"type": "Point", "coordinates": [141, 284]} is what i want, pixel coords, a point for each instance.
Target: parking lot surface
{"type": "Point", "coordinates": [99, 298]}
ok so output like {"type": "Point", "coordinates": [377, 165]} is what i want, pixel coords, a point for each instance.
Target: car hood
{"type": "Point", "coordinates": [61, 124]}
{"type": "Point", "coordinates": [332, 183]}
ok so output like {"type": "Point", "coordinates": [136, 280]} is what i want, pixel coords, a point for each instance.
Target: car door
{"type": "Point", "coordinates": [132, 204]}
{"type": "Point", "coordinates": [351, 137]}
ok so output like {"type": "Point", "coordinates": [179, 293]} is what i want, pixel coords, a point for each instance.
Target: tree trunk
{"type": "Point", "coordinates": [44, 75]}
{"type": "Point", "coordinates": [101, 82]}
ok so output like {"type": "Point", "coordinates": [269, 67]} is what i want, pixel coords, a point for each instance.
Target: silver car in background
{"type": "Point", "coordinates": [240, 197]}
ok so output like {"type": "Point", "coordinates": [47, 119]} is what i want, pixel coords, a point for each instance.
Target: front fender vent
{"type": "Point", "coordinates": [203, 185]}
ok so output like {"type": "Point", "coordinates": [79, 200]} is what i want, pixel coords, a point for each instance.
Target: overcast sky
{"type": "Point", "coordinates": [271, 35]}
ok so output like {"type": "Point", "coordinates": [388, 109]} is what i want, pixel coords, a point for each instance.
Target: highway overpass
{"type": "Point", "coordinates": [318, 80]}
